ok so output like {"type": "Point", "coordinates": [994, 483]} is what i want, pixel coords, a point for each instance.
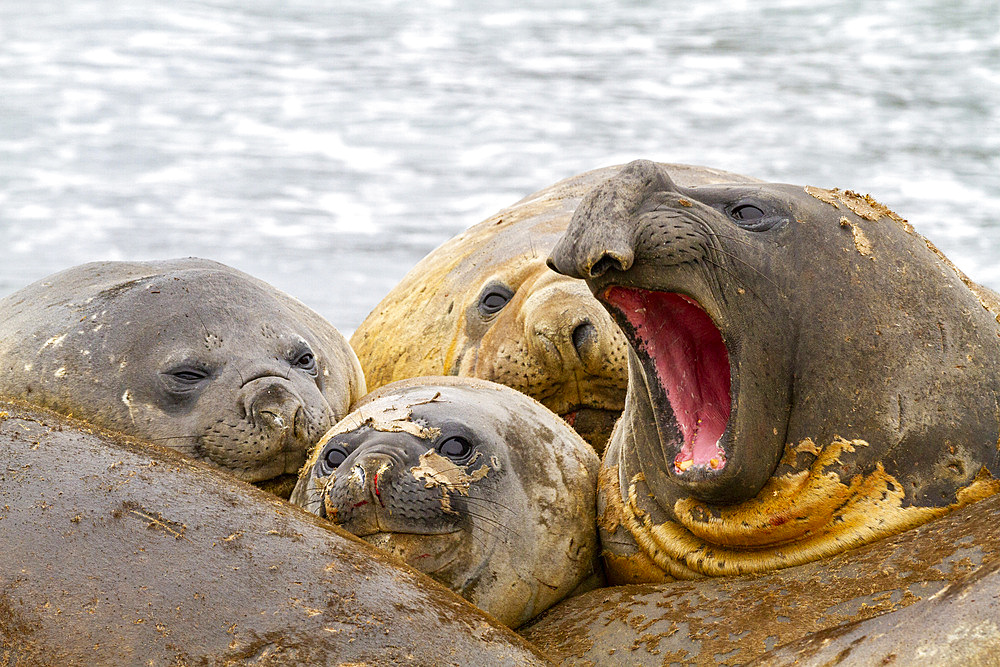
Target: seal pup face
{"type": "Point", "coordinates": [191, 355]}
{"type": "Point", "coordinates": [471, 483]}
{"type": "Point", "coordinates": [793, 352]}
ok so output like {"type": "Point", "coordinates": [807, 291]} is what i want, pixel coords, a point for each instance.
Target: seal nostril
{"type": "Point", "coordinates": [607, 263]}
{"type": "Point", "coordinates": [584, 334]}
{"type": "Point", "coordinates": [273, 419]}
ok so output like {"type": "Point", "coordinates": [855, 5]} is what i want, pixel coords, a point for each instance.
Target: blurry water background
{"type": "Point", "coordinates": [327, 146]}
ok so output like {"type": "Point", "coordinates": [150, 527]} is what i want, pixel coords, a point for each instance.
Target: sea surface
{"type": "Point", "coordinates": [327, 146]}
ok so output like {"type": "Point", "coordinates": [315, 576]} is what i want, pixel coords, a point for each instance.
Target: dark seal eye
{"type": "Point", "coordinates": [332, 457]}
{"type": "Point", "coordinates": [306, 361]}
{"type": "Point", "coordinates": [493, 299]}
{"type": "Point", "coordinates": [455, 448]}
{"type": "Point", "coordinates": [746, 212]}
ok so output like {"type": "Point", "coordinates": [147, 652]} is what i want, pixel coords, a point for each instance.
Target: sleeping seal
{"type": "Point", "coordinates": [485, 305]}
{"type": "Point", "coordinates": [807, 374]}
{"type": "Point", "coordinates": [188, 353]}
{"type": "Point", "coordinates": [469, 481]}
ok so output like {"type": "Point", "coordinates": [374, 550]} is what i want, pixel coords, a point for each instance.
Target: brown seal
{"type": "Point", "coordinates": [469, 481]}
{"type": "Point", "coordinates": [121, 552]}
{"type": "Point", "coordinates": [188, 353]}
{"type": "Point", "coordinates": [485, 305]}
{"type": "Point", "coordinates": [735, 620]}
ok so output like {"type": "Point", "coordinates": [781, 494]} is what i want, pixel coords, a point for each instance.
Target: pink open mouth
{"type": "Point", "coordinates": [691, 366]}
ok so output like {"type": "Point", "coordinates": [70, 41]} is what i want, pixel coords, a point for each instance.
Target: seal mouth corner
{"type": "Point", "coordinates": [686, 363]}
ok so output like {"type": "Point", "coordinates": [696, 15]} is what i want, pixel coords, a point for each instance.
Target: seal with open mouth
{"type": "Point", "coordinates": [188, 353]}
{"type": "Point", "coordinates": [470, 482]}
{"type": "Point", "coordinates": [807, 374]}
{"type": "Point", "coordinates": [485, 305]}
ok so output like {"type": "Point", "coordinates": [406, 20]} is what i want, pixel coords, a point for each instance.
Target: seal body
{"type": "Point", "coordinates": [929, 595]}
{"type": "Point", "coordinates": [469, 481]}
{"type": "Point", "coordinates": [122, 552]}
{"type": "Point", "coordinates": [807, 374]}
{"type": "Point", "coordinates": [187, 353]}
{"type": "Point", "coordinates": [485, 305]}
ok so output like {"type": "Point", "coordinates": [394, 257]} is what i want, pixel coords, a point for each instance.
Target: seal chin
{"type": "Point", "coordinates": [686, 364]}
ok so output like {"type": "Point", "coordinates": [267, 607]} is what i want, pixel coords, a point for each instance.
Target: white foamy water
{"type": "Point", "coordinates": [326, 147]}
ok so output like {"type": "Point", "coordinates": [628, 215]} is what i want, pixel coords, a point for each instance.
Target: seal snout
{"type": "Point", "coordinates": [268, 403]}
{"type": "Point", "coordinates": [601, 236]}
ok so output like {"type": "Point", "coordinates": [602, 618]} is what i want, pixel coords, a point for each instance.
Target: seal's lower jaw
{"type": "Point", "coordinates": [686, 365]}
{"type": "Point", "coordinates": [431, 554]}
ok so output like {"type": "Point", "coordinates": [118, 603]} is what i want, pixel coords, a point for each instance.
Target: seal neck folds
{"type": "Point", "coordinates": [687, 369]}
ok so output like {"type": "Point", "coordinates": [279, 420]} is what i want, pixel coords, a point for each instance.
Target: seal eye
{"type": "Point", "coordinates": [493, 299]}
{"type": "Point", "coordinates": [746, 212]}
{"type": "Point", "coordinates": [306, 361]}
{"type": "Point", "coordinates": [184, 379]}
{"type": "Point", "coordinates": [189, 376]}
{"type": "Point", "coordinates": [455, 448]}
{"type": "Point", "coordinates": [334, 455]}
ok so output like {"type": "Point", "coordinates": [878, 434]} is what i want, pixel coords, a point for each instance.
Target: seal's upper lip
{"type": "Point", "coordinates": [685, 357]}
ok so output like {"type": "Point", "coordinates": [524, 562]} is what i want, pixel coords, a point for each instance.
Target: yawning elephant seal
{"type": "Point", "coordinates": [485, 305]}
{"type": "Point", "coordinates": [188, 353]}
{"type": "Point", "coordinates": [469, 481]}
{"type": "Point", "coordinates": [807, 374]}
{"type": "Point", "coordinates": [120, 552]}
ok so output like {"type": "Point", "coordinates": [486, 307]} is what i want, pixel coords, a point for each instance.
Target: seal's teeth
{"type": "Point", "coordinates": [684, 465]}
{"type": "Point", "coordinates": [715, 464]}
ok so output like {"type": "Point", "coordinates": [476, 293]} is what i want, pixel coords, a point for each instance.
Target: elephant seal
{"type": "Point", "coordinates": [484, 304]}
{"type": "Point", "coordinates": [188, 353]}
{"type": "Point", "coordinates": [469, 481]}
{"type": "Point", "coordinates": [807, 374]}
{"type": "Point", "coordinates": [120, 552]}
{"type": "Point", "coordinates": [948, 563]}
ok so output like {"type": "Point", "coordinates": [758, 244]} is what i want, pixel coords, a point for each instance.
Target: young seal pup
{"type": "Point", "coordinates": [469, 481]}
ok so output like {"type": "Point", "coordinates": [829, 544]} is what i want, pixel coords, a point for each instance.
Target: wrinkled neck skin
{"type": "Point", "coordinates": [864, 373]}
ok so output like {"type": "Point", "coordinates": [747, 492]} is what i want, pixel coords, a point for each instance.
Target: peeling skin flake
{"type": "Point", "coordinates": [436, 470]}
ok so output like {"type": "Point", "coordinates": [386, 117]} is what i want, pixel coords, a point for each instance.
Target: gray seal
{"type": "Point", "coordinates": [469, 481]}
{"type": "Point", "coordinates": [187, 353]}
{"type": "Point", "coordinates": [807, 374]}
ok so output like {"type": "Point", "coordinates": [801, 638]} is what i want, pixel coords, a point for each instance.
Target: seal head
{"type": "Point", "coordinates": [485, 305]}
{"type": "Point", "coordinates": [474, 484]}
{"type": "Point", "coordinates": [190, 354]}
{"type": "Point", "coordinates": [788, 346]}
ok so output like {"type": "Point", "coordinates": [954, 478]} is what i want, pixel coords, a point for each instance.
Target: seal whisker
{"type": "Point", "coordinates": [747, 264]}
{"type": "Point", "coordinates": [735, 277]}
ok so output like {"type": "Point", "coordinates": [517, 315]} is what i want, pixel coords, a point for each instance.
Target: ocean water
{"type": "Point", "coordinates": [326, 147]}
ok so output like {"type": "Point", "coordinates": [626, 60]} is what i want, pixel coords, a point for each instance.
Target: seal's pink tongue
{"type": "Point", "coordinates": [691, 364]}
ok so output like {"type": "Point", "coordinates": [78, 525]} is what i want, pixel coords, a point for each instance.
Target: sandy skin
{"type": "Point", "coordinates": [123, 552]}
